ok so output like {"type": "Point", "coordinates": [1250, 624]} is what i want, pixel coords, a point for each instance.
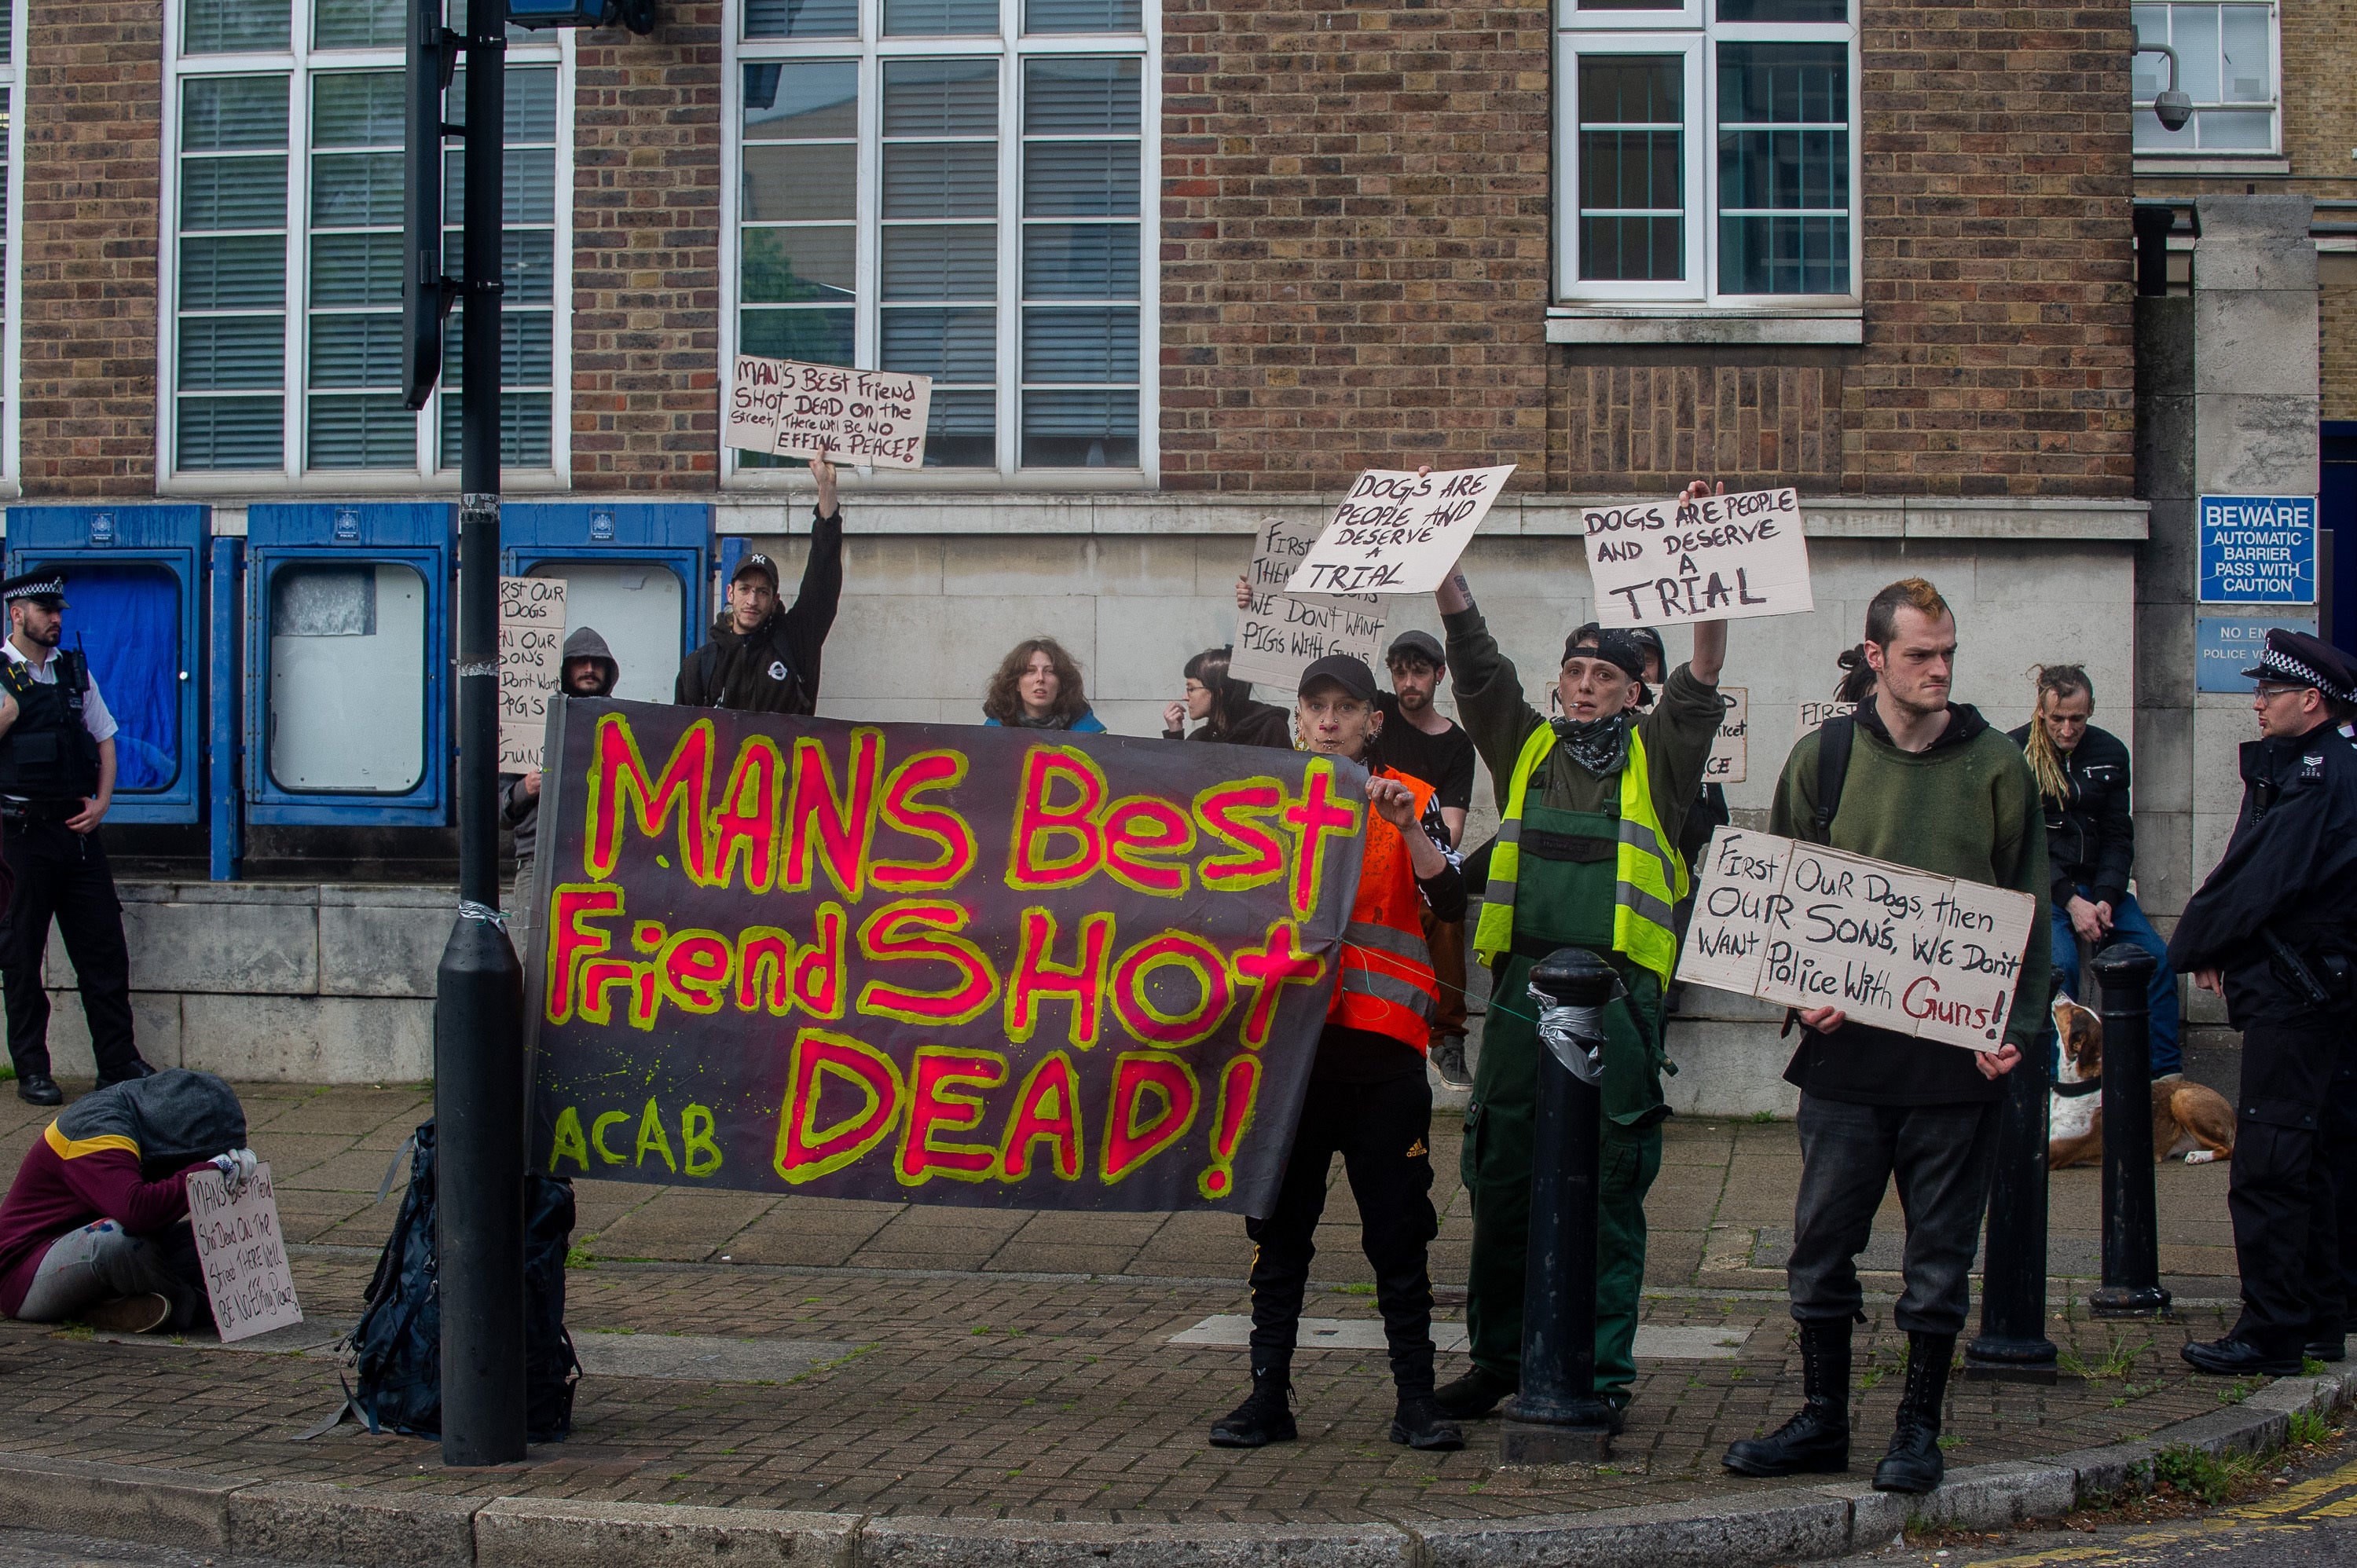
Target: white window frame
{"type": "Point", "coordinates": [1011, 48]}
{"type": "Point", "coordinates": [301, 64]}
{"type": "Point", "coordinates": [2184, 159]}
{"type": "Point", "coordinates": [1689, 31]}
{"type": "Point", "coordinates": [12, 337]}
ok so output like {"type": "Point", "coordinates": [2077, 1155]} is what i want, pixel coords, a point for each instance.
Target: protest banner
{"type": "Point", "coordinates": [1730, 749]}
{"type": "Point", "coordinates": [1900, 950]}
{"type": "Point", "coordinates": [1398, 531]}
{"type": "Point", "coordinates": [1813, 715]}
{"type": "Point", "coordinates": [931, 963]}
{"type": "Point", "coordinates": [1278, 635]}
{"type": "Point", "coordinates": [790, 409]}
{"type": "Point", "coordinates": [532, 665]}
{"type": "Point", "coordinates": [242, 1254]}
{"type": "Point", "coordinates": [1718, 558]}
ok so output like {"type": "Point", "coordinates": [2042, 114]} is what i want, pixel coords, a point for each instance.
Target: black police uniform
{"type": "Point", "coordinates": [2278, 919]}
{"type": "Point", "coordinates": [48, 767]}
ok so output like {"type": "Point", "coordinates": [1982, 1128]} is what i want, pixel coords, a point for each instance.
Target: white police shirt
{"type": "Point", "coordinates": [94, 716]}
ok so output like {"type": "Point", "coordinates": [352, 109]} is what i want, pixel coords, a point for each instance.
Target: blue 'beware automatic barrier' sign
{"type": "Point", "coordinates": [2257, 549]}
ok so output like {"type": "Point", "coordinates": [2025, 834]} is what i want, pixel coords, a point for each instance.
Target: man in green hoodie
{"type": "Point", "coordinates": [1928, 784]}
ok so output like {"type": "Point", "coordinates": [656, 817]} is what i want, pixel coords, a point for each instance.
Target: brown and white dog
{"type": "Point", "coordinates": [2188, 1118]}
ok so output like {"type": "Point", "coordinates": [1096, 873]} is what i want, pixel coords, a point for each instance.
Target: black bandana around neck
{"type": "Point", "coordinates": [1601, 746]}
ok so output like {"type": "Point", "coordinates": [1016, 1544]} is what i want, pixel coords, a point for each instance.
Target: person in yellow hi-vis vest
{"type": "Point", "coordinates": [1591, 806]}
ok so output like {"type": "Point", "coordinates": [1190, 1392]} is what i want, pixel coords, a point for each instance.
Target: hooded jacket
{"type": "Point", "coordinates": [774, 668]}
{"type": "Point", "coordinates": [2091, 834]}
{"type": "Point", "coordinates": [521, 811]}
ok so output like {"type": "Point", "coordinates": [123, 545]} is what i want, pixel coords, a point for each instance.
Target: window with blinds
{"type": "Point", "coordinates": [953, 188]}
{"type": "Point", "coordinates": [1711, 145]}
{"type": "Point", "coordinates": [285, 340]}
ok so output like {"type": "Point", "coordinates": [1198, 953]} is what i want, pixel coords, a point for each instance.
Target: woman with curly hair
{"type": "Point", "coordinates": [1038, 687]}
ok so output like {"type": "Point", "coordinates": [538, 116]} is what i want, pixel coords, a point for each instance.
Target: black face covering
{"type": "Point", "coordinates": [177, 1118]}
{"type": "Point", "coordinates": [1601, 746]}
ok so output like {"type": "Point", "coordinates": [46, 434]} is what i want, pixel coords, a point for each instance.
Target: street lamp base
{"type": "Point", "coordinates": [2129, 1300]}
{"type": "Point", "coordinates": [1570, 1432]}
{"type": "Point", "coordinates": [1995, 1357]}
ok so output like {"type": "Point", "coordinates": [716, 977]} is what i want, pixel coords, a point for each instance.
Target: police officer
{"type": "Point", "coordinates": [57, 779]}
{"type": "Point", "coordinates": [1591, 805]}
{"type": "Point", "coordinates": [2273, 931]}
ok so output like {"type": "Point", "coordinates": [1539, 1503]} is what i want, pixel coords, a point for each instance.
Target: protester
{"type": "Point", "coordinates": [589, 671]}
{"type": "Point", "coordinates": [1921, 782]}
{"type": "Point", "coordinates": [1421, 742]}
{"type": "Point", "coordinates": [1367, 1100]}
{"type": "Point", "coordinates": [761, 659]}
{"type": "Point", "coordinates": [2082, 781]}
{"type": "Point", "coordinates": [57, 780]}
{"type": "Point", "coordinates": [2273, 931]}
{"type": "Point", "coordinates": [95, 1225]}
{"type": "Point", "coordinates": [1587, 856]}
{"type": "Point", "coordinates": [1225, 707]}
{"type": "Point", "coordinates": [1039, 686]}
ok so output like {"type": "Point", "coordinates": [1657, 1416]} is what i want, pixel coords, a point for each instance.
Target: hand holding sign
{"type": "Point", "coordinates": [1705, 557]}
{"type": "Point", "coordinates": [1397, 532]}
{"type": "Point", "coordinates": [532, 665]}
{"type": "Point", "coordinates": [793, 410]}
{"type": "Point", "coordinates": [1277, 634]}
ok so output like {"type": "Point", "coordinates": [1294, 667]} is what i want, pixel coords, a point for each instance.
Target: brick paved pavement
{"type": "Point", "coordinates": [1018, 1365]}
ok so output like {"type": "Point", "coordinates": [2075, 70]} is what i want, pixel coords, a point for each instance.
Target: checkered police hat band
{"type": "Point", "coordinates": [47, 588]}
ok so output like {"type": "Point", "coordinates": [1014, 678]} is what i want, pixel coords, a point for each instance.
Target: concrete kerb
{"type": "Point", "coordinates": [305, 1523]}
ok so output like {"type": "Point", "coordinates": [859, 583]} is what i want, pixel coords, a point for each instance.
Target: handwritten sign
{"type": "Point", "coordinates": [532, 665]}
{"type": "Point", "coordinates": [933, 963]}
{"type": "Point", "coordinates": [1278, 635]}
{"type": "Point", "coordinates": [242, 1253]}
{"type": "Point", "coordinates": [1900, 949]}
{"type": "Point", "coordinates": [1722, 558]}
{"type": "Point", "coordinates": [1398, 531]}
{"type": "Point", "coordinates": [793, 410]}
{"type": "Point", "coordinates": [1813, 715]}
{"type": "Point", "coordinates": [1730, 748]}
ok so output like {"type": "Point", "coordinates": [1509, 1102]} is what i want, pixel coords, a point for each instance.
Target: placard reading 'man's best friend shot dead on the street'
{"type": "Point", "coordinates": [1721, 558]}
{"type": "Point", "coordinates": [933, 963]}
{"type": "Point", "coordinates": [789, 409]}
{"type": "Point", "coordinates": [1398, 531]}
{"type": "Point", "coordinates": [1279, 636]}
{"type": "Point", "coordinates": [242, 1254]}
{"type": "Point", "coordinates": [1809, 927]}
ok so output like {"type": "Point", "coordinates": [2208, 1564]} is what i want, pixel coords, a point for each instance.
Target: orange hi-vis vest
{"type": "Point", "coordinates": [1387, 985]}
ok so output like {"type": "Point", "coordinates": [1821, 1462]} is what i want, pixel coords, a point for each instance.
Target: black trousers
{"type": "Point", "coordinates": [64, 876]}
{"type": "Point", "coordinates": [2280, 1192]}
{"type": "Point", "coordinates": [1383, 1132]}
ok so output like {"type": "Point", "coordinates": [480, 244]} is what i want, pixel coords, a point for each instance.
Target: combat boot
{"type": "Point", "coordinates": [1266, 1414]}
{"type": "Point", "coordinates": [1914, 1463]}
{"type": "Point", "coordinates": [1816, 1441]}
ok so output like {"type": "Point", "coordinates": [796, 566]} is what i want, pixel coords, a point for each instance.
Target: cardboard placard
{"type": "Point", "coordinates": [1398, 531]}
{"type": "Point", "coordinates": [1278, 635]}
{"type": "Point", "coordinates": [1897, 948]}
{"type": "Point", "coordinates": [532, 665]}
{"type": "Point", "coordinates": [242, 1254]}
{"type": "Point", "coordinates": [1730, 750]}
{"type": "Point", "coordinates": [1720, 558]}
{"type": "Point", "coordinates": [1813, 715]}
{"type": "Point", "coordinates": [790, 409]}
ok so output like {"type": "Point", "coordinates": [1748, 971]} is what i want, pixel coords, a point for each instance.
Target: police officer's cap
{"type": "Point", "coordinates": [2297, 658]}
{"type": "Point", "coordinates": [44, 588]}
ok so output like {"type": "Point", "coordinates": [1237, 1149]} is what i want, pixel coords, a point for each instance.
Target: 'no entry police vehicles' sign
{"type": "Point", "coordinates": [2258, 550]}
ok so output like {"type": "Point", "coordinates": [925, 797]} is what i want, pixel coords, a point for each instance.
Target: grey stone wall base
{"type": "Point", "coordinates": [307, 1523]}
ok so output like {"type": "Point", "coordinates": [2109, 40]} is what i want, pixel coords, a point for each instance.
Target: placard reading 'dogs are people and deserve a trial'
{"type": "Point", "coordinates": [789, 409]}
{"type": "Point", "coordinates": [1719, 558]}
{"type": "Point", "coordinates": [1807, 927]}
{"type": "Point", "coordinates": [1279, 634]}
{"type": "Point", "coordinates": [532, 665]}
{"type": "Point", "coordinates": [242, 1254]}
{"type": "Point", "coordinates": [1398, 531]}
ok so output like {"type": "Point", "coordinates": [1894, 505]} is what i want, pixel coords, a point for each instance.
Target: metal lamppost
{"type": "Point", "coordinates": [2131, 1221]}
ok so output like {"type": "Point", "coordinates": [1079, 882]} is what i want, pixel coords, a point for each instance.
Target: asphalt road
{"type": "Point", "coordinates": [35, 1548]}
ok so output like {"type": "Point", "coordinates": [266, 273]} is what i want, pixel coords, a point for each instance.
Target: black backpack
{"type": "Point", "coordinates": [1834, 741]}
{"type": "Point", "coordinates": [397, 1345]}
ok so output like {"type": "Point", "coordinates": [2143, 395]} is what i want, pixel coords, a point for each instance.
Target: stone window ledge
{"type": "Point", "coordinates": [2262, 164]}
{"type": "Point", "coordinates": [1836, 325]}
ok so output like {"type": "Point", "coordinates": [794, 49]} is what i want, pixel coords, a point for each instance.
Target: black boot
{"type": "Point", "coordinates": [1474, 1395]}
{"type": "Point", "coordinates": [1265, 1416]}
{"type": "Point", "coordinates": [1422, 1423]}
{"type": "Point", "coordinates": [1914, 1463]}
{"type": "Point", "coordinates": [1816, 1441]}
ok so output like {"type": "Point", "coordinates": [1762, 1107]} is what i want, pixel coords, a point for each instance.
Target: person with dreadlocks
{"type": "Point", "coordinates": [1590, 806]}
{"type": "Point", "coordinates": [2082, 781]}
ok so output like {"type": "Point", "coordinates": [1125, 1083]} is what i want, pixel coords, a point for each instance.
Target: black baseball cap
{"type": "Point", "coordinates": [1351, 674]}
{"type": "Point", "coordinates": [757, 561]}
{"type": "Point", "coordinates": [1610, 644]}
{"type": "Point", "coordinates": [1421, 644]}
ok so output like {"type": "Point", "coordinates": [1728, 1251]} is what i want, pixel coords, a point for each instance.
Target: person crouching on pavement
{"type": "Point", "coordinates": [95, 1227]}
{"type": "Point", "coordinates": [1928, 784]}
{"type": "Point", "coordinates": [589, 671]}
{"type": "Point", "coordinates": [1368, 1099]}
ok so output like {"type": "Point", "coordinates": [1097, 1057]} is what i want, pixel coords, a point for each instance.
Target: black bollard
{"type": "Point", "coordinates": [1556, 1418]}
{"type": "Point", "coordinates": [2131, 1223]}
{"type": "Point", "coordinates": [2012, 1345]}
